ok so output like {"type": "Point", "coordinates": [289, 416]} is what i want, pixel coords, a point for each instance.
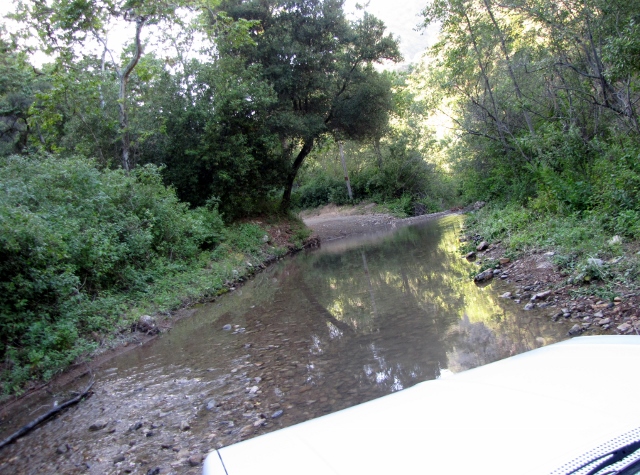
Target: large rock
{"type": "Point", "coordinates": [147, 324]}
{"type": "Point", "coordinates": [575, 330]}
{"type": "Point", "coordinates": [484, 276]}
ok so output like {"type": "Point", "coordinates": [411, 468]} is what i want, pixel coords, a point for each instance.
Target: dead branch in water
{"type": "Point", "coordinates": [34, 423]}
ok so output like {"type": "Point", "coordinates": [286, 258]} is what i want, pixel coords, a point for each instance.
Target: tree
{"type": "Point", "coordinates": [320, 68]}
{"type": "Point", "coordinates": [66, 27]}
{"type": "Point", "coordinates": [18, 83]}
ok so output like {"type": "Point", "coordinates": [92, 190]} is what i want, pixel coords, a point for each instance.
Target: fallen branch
{"type": "Point", "coordinates": [31, 425]}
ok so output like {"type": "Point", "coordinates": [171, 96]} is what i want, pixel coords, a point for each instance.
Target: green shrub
{"type": "Point", "coordinates": [75, 241]}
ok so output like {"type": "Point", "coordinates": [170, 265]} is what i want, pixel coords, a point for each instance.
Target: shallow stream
{"type": "Point", "coordinates": [322, 331]}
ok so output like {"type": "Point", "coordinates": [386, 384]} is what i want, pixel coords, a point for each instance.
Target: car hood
{"type": "Point", "coordinates": [528, 414]}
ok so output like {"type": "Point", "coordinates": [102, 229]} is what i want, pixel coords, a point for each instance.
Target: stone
{"type": "Point", "coordinates": [98, 425]}
{"type": "Point", "coordinates": [478, 205]}
{"type": "Point", "coordinates": [575, 330]}
{"type": "Point", "coordinates": [62, 449]}
{"type": "Point", "coordinates": [605, 321]}
{"type": "Point", "coordinates": [483, 246]}
{"type": "Point", "coordinates": [506, 295]}
{"type": "Point", "coordinates": [227, 327]}
{"type": "Point", "coordinates": [595, 262]}
{"type": "Point", "coordinates": [470, 256]}
{"type": "Point", "coordinates": [615, 240]}
{"type": "Point", "coordinates": [147, 324]}
{"type": "Point", "coordinates": [184, 426]}
{"type": "Point", "coordinates": [484, 276]}
{"type": "Point", "coordinates": [246, 430]}
{"type": "Point", "coordinates": [277, 414]}
{"type": "Point", "coordinates": [118, 458]}
{"type": "Point", "coordinates": [624, 328]}
{"type": "Point", "coordinates": [136, 426]}
{"type": "Point", "coordinates": [253, 389]}
{"type": "Point", "coordinates": [598, 314]}
{"type": "Point", "coordinates": [530, 306]}
{"type": "Point", "coordinates": [504, 276]}
{"type": "Point", "coordinates": [153, 471]}
{"type": "Point", "coordinates": [496, 272]}
{"type": "Point", "coordinates": [211, 404]}
{"type": "Point", "coordinates": [541, 295]}
{"type": "Point", "coordinates": [504, 260]}
{"type": "Point", "coordinates": [196, 460]}
{"type": "Point", "coordinates": [266, 238]}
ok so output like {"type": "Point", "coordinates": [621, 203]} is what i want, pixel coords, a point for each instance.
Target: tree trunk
{"type": "Point", "coordinates": [291, 178]}
{"type": "Point", "coordinates": [123, 76]}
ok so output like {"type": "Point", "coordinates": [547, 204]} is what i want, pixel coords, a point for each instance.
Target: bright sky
{"type": "Point", "coordinates": [401, 18]}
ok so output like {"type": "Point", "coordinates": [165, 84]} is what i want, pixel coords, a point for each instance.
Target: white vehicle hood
{"type": "Point", "coordinates": [528, 414]}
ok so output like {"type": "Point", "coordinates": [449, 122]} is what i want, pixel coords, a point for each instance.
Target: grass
{"type": "Point", "coordinates": [584, 250]}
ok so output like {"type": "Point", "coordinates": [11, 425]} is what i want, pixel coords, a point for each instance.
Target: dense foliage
{"type": "Point", "coordinates": [544, 97]}
{"type": "Point", "coordinates": [71, 239]}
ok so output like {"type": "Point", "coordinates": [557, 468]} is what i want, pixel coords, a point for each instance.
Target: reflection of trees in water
{"type": "Point", "coordinates": [397, 298]}
{"type": "Point", "coordinates": [475, 344]}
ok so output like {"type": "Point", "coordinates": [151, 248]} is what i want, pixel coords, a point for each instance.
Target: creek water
{"type": "Point", "coordinates": [325, 330]}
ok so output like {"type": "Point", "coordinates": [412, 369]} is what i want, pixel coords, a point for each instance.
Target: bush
{"type": "Point", "coordinates": [71, 236]}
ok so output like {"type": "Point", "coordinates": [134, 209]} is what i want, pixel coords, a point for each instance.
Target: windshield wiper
{"type": "Point", "coordinates": [615, 456]}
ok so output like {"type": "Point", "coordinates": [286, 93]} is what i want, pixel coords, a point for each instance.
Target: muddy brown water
{"type": "Point", "coordinates": [325, 330]}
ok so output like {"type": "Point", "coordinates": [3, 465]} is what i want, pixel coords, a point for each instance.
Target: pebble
{"type": "Point", "coordinates": [184, 425]}
{"type": "Point", "coordinates": [530, 306]}
{"type": "Point", "coordinates": [227, 327]}
{"type": "Point", "coordinates": [541, 295]}
{"type": "Point", "coordinates": [483, 246]}
{"type": "Point", "coordinates": [135, 426]}
{"type": "Point", "coordinates": [62, 449]}
{"type": "Point", "coordinates": [483, 276]}
{"type": "Point", "coordinates": [506, 295]}
{"type": "Point", "coordinates": [470, 256]}
{"type": "Point", "coordinates": [624, 328]}
{"type": "Point", "coordinates": [575, 330]}
{"type": "Point", "coordinates": [118, 458]}
{"type": "Point", "coordinates": [196, 460]}
{"type": "Point", "coordinates": [277, 414]}
{"type": "Point", "coordinates": [98, 425]}
{"type": "Point", "coordinates": [605, 321]}
{"type": "Point", "coordinates": [598, 314]}
{"type": "Point", "coordinates": [211, 404]}
{"type": "Point", "coordinates": [504, 260]}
